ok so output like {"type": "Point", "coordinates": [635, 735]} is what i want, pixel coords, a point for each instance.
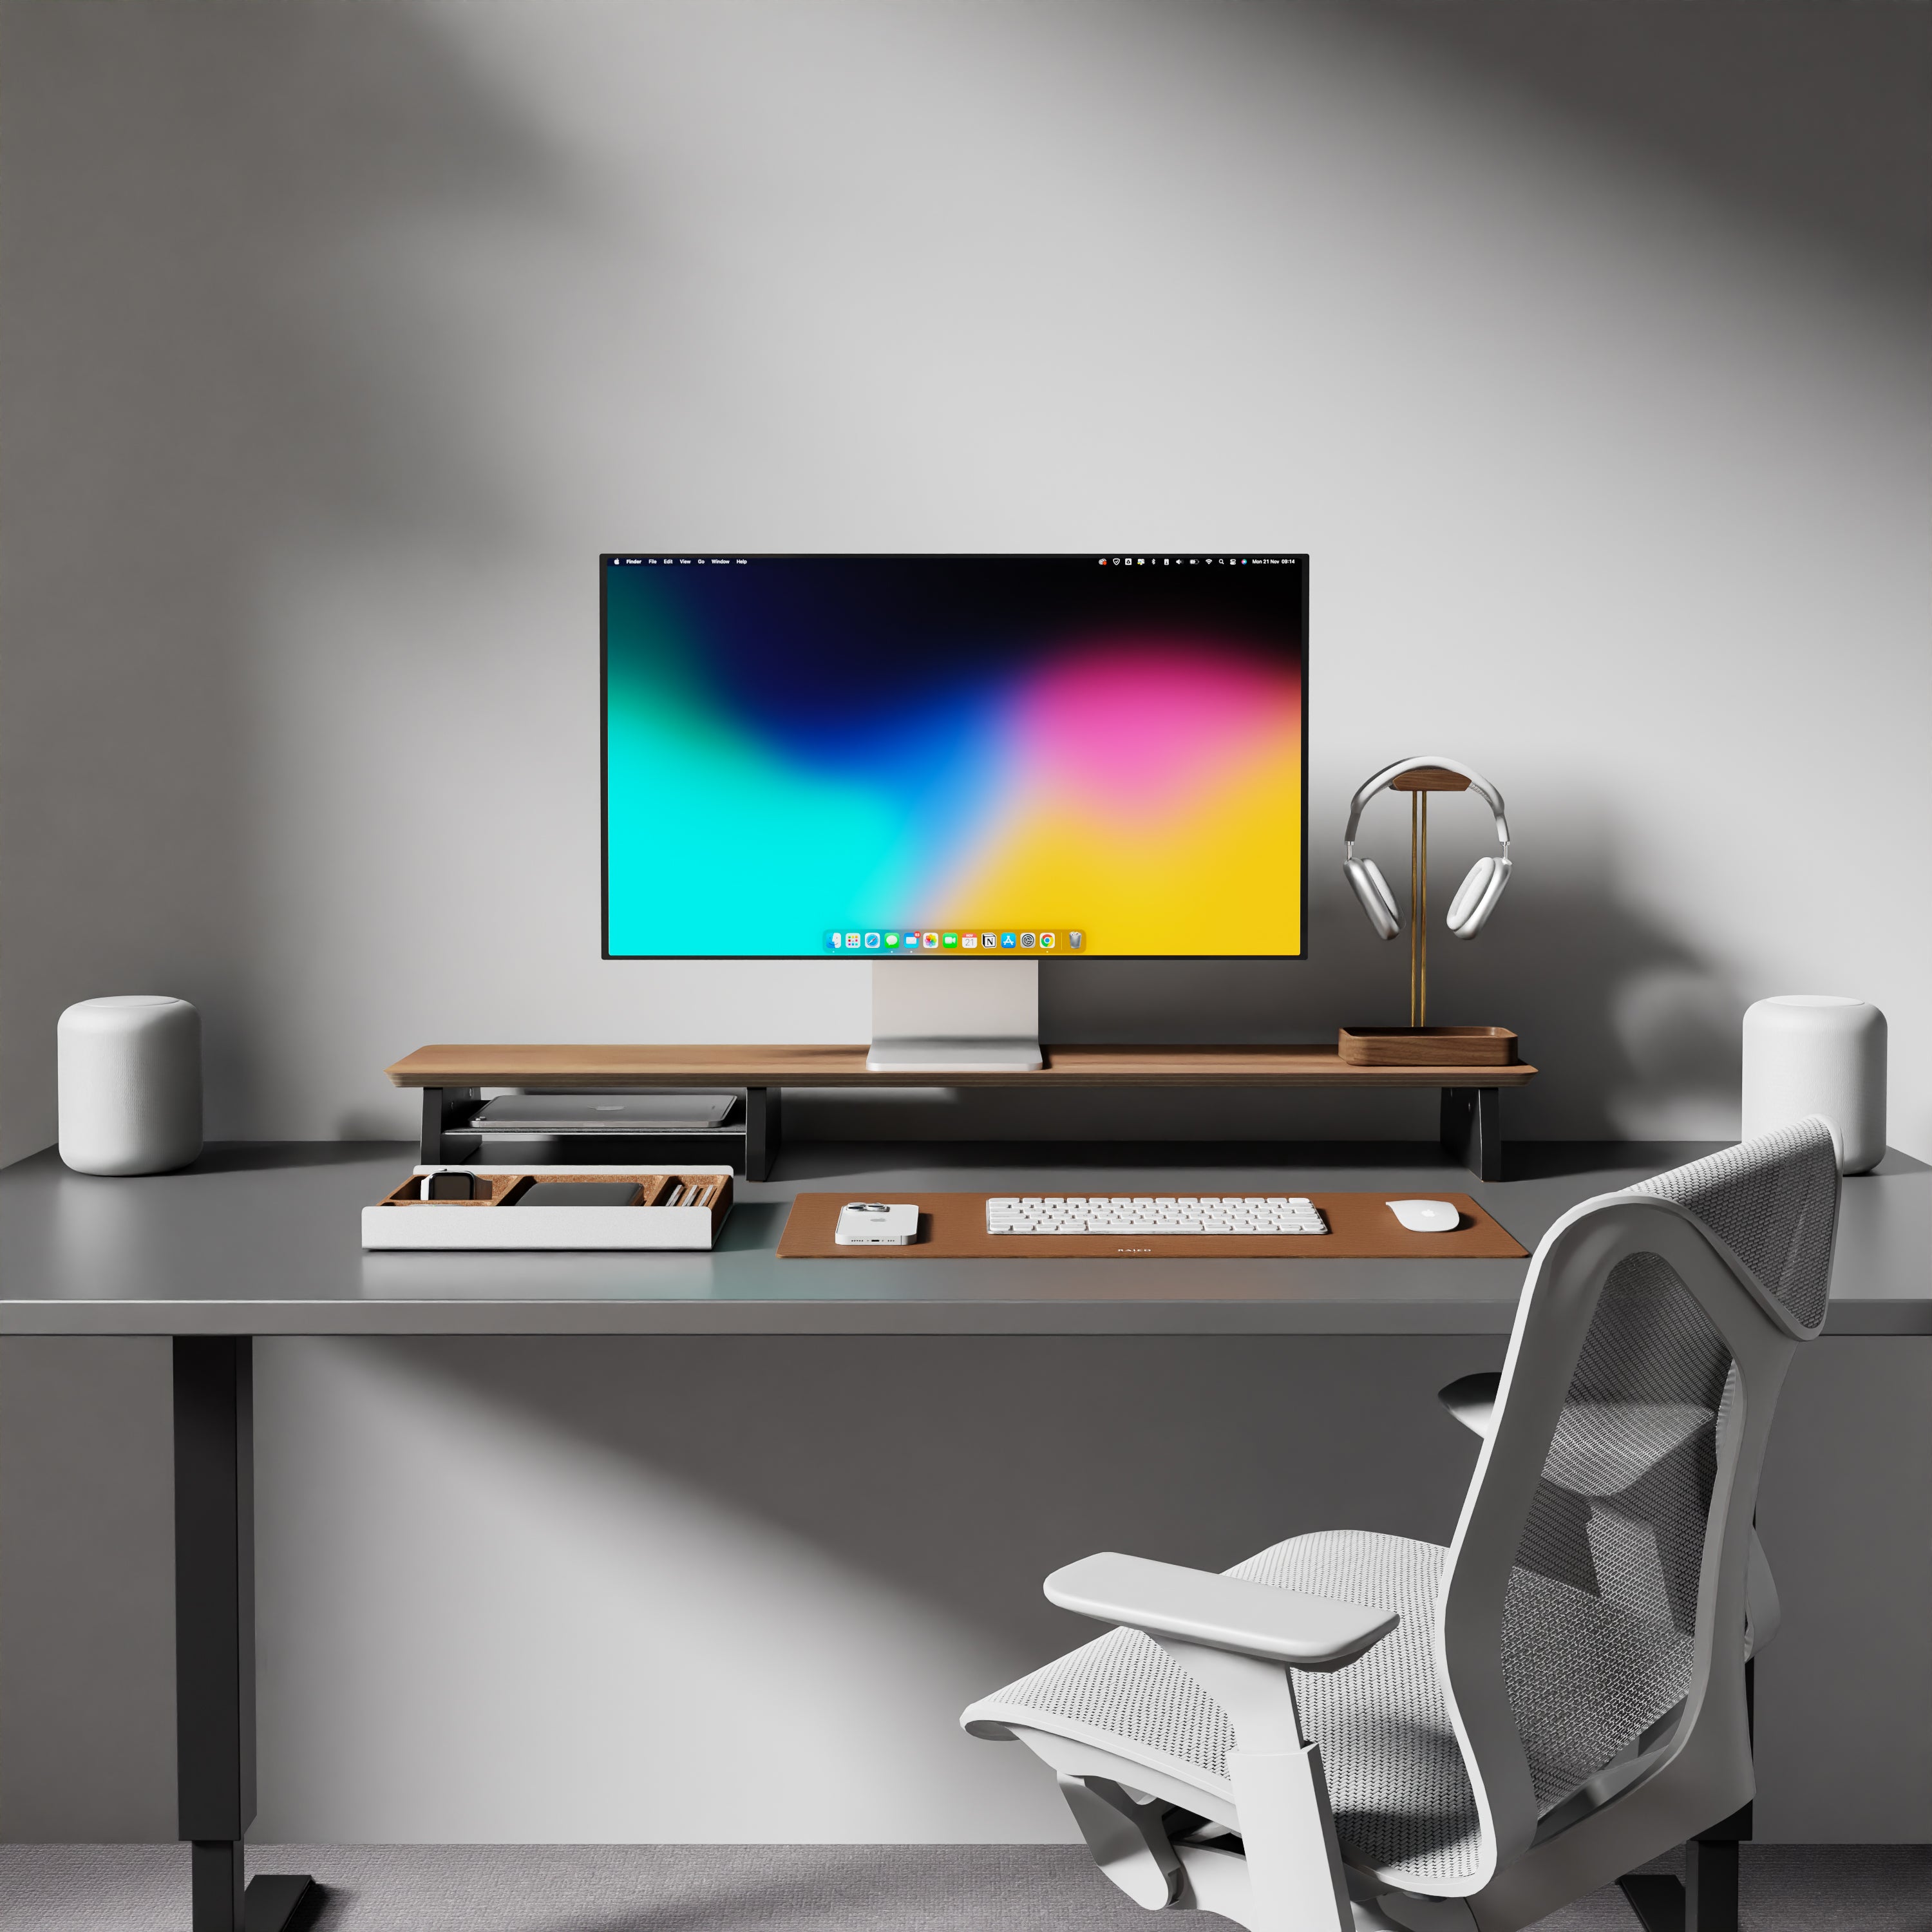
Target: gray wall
{"type": "Point", "coordinates": [1583, 348]}
{"type": "Point", "coordinates": [87, 1614]}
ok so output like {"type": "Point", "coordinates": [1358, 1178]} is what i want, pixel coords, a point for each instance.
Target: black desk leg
{"type": "Point", "coordinates": [214, 1633]}
{"type": "Point", "coordinates": [764, 1124]}
{"type": "Point", "coordinates": [1707, 1900]}
{"type": "Point", "coordinates": [1472, 1130]}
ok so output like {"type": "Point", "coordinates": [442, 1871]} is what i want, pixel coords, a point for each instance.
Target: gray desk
{"type": "Point", "coordinates": [261, 1239]}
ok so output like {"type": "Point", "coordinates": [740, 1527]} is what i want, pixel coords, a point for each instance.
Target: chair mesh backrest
{"type": "Point", "coordinates": [1599, 1620]}
{"type": "Point", "coordinates": [1773, 1202]}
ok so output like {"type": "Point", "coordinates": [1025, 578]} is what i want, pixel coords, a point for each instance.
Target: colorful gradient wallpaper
{"type": "Point", "coordinates": [948, 755]}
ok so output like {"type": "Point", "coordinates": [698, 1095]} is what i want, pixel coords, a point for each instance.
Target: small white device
{"type": "Point", "coordinates": [1154, 1214]}
{"type": "Point", "coordinates": [130, 1077]}
{"type": "Point", "coordinates": [877, 1224]}
{"type": "Point", "coordinates": [1475, 898]}
{"type": "Point", "coordinates": [1813, 1053]}
{"type": "Point", "coordinates": [1426, 1217]}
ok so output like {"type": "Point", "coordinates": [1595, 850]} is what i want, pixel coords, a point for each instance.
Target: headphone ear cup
{"type": "Point", "coordinates": [1372, 891]}
{"type": "Point", "coordinates": [1476, 897]}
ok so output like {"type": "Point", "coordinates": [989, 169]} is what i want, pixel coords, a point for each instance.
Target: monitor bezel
{"type": "Point", "coordinates": [1298, 558]}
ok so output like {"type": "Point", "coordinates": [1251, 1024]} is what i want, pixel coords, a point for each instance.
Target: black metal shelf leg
{"type": "Point", "coordinates": [764, 1130]}
{"type": "Point", "coordinates": [1472, 1130]}
{"type": "Point", "coordinates": [447, 1112]}
{"type": "Point", "coordinates": [214, 1635]}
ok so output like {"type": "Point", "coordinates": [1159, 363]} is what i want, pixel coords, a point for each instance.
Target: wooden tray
{"type": "Point", "coordinates": [953, 1227]}
{"type": "Point", "coordinates": [1427, 1046]}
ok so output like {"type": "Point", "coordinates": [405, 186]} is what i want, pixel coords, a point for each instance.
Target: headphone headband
{"type": "Point", "coordinates": [1386, 776]}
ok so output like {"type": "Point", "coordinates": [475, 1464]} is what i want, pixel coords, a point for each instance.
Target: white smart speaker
{"type": "Point", "coordinates": [130, 1084]}
{"type": "Point", "coordinates": [1818, 1053]}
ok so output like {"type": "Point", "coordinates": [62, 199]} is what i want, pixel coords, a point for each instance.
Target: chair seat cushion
{"type": "Point", "coordinates": [1402, 1803]}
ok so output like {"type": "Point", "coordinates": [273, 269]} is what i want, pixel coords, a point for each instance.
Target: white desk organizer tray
{"type": "Point", "coordinates": [402, 1219]}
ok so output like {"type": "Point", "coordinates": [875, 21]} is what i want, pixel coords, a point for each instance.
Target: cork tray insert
{"type": "Point", "coordinates": [953, 1227]}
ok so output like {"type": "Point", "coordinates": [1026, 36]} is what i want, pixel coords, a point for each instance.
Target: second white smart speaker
{"type": "Point", "coordinates": [130, 1084]}
{"type": "Point", "coordinates": [1818, 1053]}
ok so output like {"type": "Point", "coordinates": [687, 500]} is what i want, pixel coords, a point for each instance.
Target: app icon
{"type": "Point", "coordinates": [835, 940]}
{"type": "Point", "coordinates": [853, 941]}
{"type": "Point", "coordinates": [891, 940]}
{"type": "Point", "coordinates": [930, 941]}
{"type": "Point", "coordinates": [989, 940]}
{"type": "Point", "coordinates": [1009, 940]}
{"type": "Point", "coordinates": [1047, 942]}
{"type": "Point", "coordinates": [1076, 940]}
{"type": "Point", "coordinates": [950, 941]}
{"type": "Point", "coordinates": [912, 942]}
{"type": "Point", "coordinates": [969, 942]}
{"type": "Point", "coordinates": [871, 942]}
{"type": "Point", "coordinates": [1027, 942]}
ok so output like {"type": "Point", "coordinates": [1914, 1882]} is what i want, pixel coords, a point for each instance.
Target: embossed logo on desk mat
{"type": "Point", "coordinates": [953, 1227]}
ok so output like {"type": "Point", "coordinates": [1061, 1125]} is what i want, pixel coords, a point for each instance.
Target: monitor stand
{"type": "Point", "coordinates": [954, 1016]}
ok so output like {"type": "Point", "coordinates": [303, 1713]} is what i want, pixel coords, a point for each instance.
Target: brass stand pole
{"type": "Point", "coordinates": [1414, 905]}
{"type": "Point", "coordinates": [1422, 927]}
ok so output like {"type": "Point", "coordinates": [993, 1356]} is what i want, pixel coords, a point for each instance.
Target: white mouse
{"type": "Point", "coordinates": [1426, 1217]}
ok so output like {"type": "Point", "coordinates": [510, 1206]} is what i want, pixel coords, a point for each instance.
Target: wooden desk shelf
{"type": "Point", "coordinates": [450, 1078]}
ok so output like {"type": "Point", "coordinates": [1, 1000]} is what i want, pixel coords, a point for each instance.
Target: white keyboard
{"type": "Point", "coordinates": [1154, 1214]}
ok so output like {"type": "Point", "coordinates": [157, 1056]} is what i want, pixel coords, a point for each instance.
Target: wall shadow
{"type": "Point", "coordinates": [1810, 121]}
{"type": "Point", "coordinates": [187, 192]}
{"type": "Point", "coordinates": [962, 1469]}
{"type": "Point", "coordinates": [1624, 1018]}
{"type": "Point", "coordinates": [272, 1157]}
{"type": "Point", "coordinates": [1558, 1160]}
{"type": "Point", "coordinates": [811, 1160]}
{"type": "Point", "coordinates": [197, 386]}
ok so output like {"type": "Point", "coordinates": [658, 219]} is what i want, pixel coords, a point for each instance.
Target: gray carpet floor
{"type": "Point", "coordinates": [808, 1889]}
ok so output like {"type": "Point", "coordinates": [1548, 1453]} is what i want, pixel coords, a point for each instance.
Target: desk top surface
{"type": "Point", "coordinates": [262, 1238]}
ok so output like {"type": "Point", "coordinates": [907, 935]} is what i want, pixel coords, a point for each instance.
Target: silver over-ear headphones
{"type": "Point", "coordinates": [1475, 898]}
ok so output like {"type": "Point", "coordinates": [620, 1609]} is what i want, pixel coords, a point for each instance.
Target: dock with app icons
{"type": "Point", "coordinates": [1019, 940]}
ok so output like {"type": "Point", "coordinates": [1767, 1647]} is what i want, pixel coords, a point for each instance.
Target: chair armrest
{"type": "Point", "coordinates": [1219, 1612]}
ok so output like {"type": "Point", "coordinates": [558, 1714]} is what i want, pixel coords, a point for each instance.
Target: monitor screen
{"type": "Point", "coordinates": [954, 756]}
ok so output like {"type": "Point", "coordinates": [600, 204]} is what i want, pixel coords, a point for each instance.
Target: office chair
{"type": "Point", "coordinates": [1464, 1739]}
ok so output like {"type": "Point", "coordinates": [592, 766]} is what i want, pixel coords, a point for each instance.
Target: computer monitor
{"type": "Point", "coordinates": [953, 762]}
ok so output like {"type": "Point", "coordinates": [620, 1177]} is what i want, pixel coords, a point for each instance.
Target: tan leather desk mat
{"type": "Point", "coordinates": [953, 1227]}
